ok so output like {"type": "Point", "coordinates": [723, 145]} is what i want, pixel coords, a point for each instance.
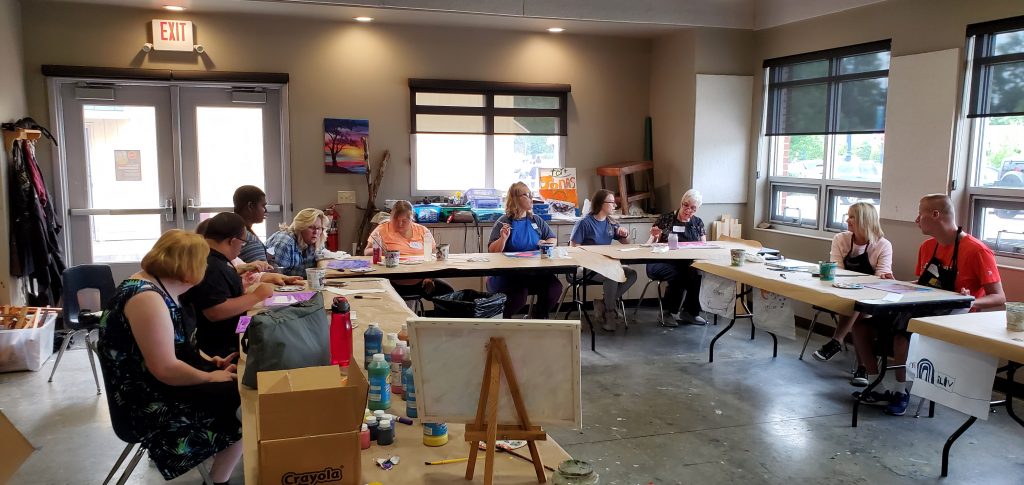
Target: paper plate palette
{"type": "Point", "coordinates": [286, 288]}
{"type": "Point", "coordinates": [360, 270]}
{"type": "Point", "coordinates": [848, 286]}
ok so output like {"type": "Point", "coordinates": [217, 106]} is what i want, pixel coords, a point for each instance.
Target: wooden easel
{"type": "Point", "coordinates": [486, 427]}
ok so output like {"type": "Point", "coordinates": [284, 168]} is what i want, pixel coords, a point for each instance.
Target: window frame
{"type": "Point", "coordinates": [831, 195]}
{"type": "Point", "coordinates": [489, 90]}
{"type": "Point", "coordinates": [792, 185]}
{"type": "Point", "coordinates": [979, 45]}
{"type": "Point", "coordinates": [771, 132]}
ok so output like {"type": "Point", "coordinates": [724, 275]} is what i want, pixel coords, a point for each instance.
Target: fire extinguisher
{"type": "Point", "coordinates": [332, 232]}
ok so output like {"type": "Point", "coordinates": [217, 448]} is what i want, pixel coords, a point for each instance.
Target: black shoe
{"type": "Point", "coordinates": [860, 378]}
{"type": "Point", "coordinates": [829, 350]}
{"type": "Point", "coordinates": [875, 398]}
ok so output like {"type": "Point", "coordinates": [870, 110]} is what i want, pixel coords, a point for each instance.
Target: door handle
{"type": "Point", "coordinates": [168, 209]}
{"type": "Point", "coordinates": [190, 209]}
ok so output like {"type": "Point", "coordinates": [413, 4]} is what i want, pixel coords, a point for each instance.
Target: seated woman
{"type": "Point", "coordinates": [251, 203]}
{"type": "Point", "coordinates": [181, 405]}
{"type": "Point", "coordinates": [400, 233]}
{"type": "Point", "coordinates": [295, 247]}
{"type": "Point", "coordinates": [864, 249]}
{"type": "Point", "coordinates": [220, 298]}
{"type": "Point", "coordinates": [521, 230]}
{"type": "Point", "coordinates": [680, 275]}
{"type": "Point", "coordinates": [598, 227]}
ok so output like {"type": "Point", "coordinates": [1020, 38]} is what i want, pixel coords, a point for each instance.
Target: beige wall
{"type": "Point", "coordinates": [915, 26]}
{"type": "Point", "coordinates": [343, 69]}
{"type": "Point", "coordinates": [12, 107]}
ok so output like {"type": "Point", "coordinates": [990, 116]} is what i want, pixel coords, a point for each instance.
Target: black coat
{"type": "Point", "coordinates": [34, 229]}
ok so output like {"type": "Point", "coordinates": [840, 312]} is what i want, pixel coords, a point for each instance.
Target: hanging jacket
{"type": "Point", "coordinates": [34, 229]}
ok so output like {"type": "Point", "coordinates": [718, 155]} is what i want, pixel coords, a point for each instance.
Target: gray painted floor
{"type": "Point", "coordinates": [654, 411]}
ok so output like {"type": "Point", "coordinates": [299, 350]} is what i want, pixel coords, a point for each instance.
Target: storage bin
{"type": "Point", "coordinates": [488, 215]}
{"type": "Point", "coordinates": [426, 213]}
{"type": "Point", "coordinates": [27, 348]}
{"type": "Point", "coordinates": [484, 198]}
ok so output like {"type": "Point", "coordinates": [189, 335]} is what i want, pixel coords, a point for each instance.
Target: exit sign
{"type": "Point", "coordinates": [172, 35]}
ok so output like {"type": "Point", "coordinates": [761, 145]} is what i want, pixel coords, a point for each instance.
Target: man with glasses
{"type": "Point", "coordinates": [680, 275]}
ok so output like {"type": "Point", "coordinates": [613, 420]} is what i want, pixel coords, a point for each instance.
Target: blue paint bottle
{"type": "Point", "coordinates": [372, 343]}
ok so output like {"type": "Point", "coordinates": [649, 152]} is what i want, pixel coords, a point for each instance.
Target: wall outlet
{"type": "Point", "coordinates": [346, 197]}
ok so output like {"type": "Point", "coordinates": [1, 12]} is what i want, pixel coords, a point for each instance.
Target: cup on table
{"type": "Point", "coordinates": [1015, 316]}
{"type": "Point", "coordinates": [316, 277]}
{"type": "Point", "coordinates": [442, 251]}
{"type": "Point", "coordinates": [391, 258]}
{"type": "Point", "coordinates": [547, 250]}
{"type": "Point", "coordinates": [827, 269]}
{"type": "Point", "coordinates": [737, 256]}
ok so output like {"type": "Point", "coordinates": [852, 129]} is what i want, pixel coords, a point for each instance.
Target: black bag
{"type": "Point", "coordinates": [469, 304]}
{"type": "Point", "coordinates": [288, 337]}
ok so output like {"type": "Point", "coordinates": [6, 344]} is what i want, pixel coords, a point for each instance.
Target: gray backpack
{"type": "Point", "coordinates": [288, 337]}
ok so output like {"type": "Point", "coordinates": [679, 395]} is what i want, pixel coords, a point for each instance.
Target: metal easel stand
{"type": "Point", "coordinates": [741, 296]}
{"type": "Point", "coordinates": [1009, 369]}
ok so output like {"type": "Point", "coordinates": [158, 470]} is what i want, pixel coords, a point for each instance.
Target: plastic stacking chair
{"type": "Point", "coordinates": [577, 282]}
{"type": "Point", "coordinates": [657, 293]}
{"type": "Point", "coordinates": [75, 279]}
{"type": "Point", "coordinates": [415, 302]}
{"type": "Point", "coordinates": [814, 321]}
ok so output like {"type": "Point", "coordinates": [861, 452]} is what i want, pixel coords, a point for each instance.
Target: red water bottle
{"type": "Point", "coordinates": [376, 254]}
{"type": "Point", "coordinates": [341, 332]}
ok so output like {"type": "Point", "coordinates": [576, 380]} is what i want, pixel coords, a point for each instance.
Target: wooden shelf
{"type": "Point", "coordinates": [19, 134]}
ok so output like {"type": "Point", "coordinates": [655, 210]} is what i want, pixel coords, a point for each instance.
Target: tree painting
{"type": "Point", "coordinates": [345, 145]}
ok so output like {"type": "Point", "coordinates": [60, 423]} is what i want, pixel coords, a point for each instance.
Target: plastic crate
{"type": "Point", "coordinates": [426, 213]}
{"type": "Point", "coordinates": [488, 215]}
{"type": "Point", "coordinates": [446, 210]}
{"type": "Point", "coordinates": [484, 198]}
{"type": "Point", "coordinates": [542, 209]}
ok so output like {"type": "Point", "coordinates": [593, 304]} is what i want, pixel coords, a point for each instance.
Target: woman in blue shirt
{"type": "Point", "coordinates": [521, 230]}
{"type": "Point", "coordinates": [295, 247]}
{"type": "Point", "coordinates": [597, 228]}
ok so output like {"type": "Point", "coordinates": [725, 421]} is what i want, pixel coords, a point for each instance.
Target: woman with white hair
{"type": "Point", "coordinates": [679, 274]}
{"type": "Point", "coordinates": [296, 246]}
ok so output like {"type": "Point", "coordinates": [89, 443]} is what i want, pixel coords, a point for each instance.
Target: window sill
{"type": "Point", "coordinates": [798, 234]}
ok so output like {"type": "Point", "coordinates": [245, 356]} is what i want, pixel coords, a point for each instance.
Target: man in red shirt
{"type": "Point", "coordinates": [951, 260]}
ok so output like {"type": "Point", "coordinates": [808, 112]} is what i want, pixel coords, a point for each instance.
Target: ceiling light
{"type": "Point", "coordinates": [363, 19]}
{"type": "Point", "coordinates": [556, 30]}
{"type": "Point", "coordinates": [174, 8]}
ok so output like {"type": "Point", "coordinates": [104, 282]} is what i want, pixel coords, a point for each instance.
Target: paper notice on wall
{"type": "Point", "coordinates": [774, 313]}
{"type": "Point", "coordinates": [718, 295]}
{"type": "Point", "coordinates": [128, 165]}
{"type": "Point", "coordinates": [951, 375]}
{"type": "Point", "coordinates": [558, 188]}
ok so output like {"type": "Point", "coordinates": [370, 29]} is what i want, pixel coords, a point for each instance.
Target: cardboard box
{"type": "Point", "coordinates": [16, 449]}
{"type": "Point", "coordinates": [308, 423]}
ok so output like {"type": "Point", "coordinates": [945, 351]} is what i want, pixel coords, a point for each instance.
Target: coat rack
{"type": "Point", "coordinates": [19, 134]}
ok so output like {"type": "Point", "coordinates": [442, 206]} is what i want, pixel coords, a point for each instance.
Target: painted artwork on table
{"type": "Point", "coordinates": [345, 145]}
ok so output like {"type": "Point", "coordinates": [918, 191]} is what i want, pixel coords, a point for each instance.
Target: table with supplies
{"type": "Point", "coordinates": [389, 311]}
{"type": "Point", "coordinates": [944, 374]}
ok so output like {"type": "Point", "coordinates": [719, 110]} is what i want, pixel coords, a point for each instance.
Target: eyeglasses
{"type": "Point", "coordinates": [690, 207]}
{"type": "Point", "coordinates": [315, 228]}
{"type": "Point", "coordinates": [244, 242]}
{"type": "Point", "coordinates": [527, 195]}
{"type": "Point", "coordinates": [612, 202]}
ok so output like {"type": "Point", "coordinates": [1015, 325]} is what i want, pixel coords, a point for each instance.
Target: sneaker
{"type": "Point", "coordinates": [875, 398]}
{"type": "Point", "coordinates": [898, 404]}
{"type": "Point", "coordinates": [611, 321]}
{"type": "Point", "coordinates": [671, 320]}
{"type": "Point", "coordinates": [829, 350]}
{"type": "Point", "coordinates": [699, 320]}
{"type": "Point", "coordinates": [860, 376]}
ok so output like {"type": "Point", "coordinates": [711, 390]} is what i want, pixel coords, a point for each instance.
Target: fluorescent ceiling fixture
{"type": "Point", "coordinates": [174, 8]}
{"type": "Point", "coordinates": [555, 30]}
{"type": "Point", "coordinates": [363, 19]}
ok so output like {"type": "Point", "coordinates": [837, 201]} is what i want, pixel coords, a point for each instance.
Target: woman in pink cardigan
{"type": "Point", "coordinates": [864, 249]}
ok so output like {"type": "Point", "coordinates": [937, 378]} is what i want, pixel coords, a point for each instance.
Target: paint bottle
{"type": "Point", "coordinates": [379, 415]}
{"type": "Point", "coordinates": [410, 393]}
{"type": "Point", "coordinates": [397, 357]}
{"type": "Point", "coordinates": [371, 426]}
{"type": "Point", "coordinates": [673, 241]}
{"type": "Point", "coordinates": [386, 434]}
{"type": "Point", "coordinates": [390, 342]}
{"type": "Point", "coordinates": [364, 437]}
{"type": "Point", "coordinates": [435, 434]}
{"type": "Point", "coordinates": [371, 343]}
{"type": "Point", "coordinates": [406, 365]}
{"type": "Point", "coordinates": [403, 334]}
{"type": "Point", "coordinates": [380, 390]}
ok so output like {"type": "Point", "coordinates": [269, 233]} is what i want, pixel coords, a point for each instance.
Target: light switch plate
{"type": "Point", "coordinates": [346, 197]}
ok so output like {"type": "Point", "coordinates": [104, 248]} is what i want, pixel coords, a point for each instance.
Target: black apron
{"type": "Point", "coordinates": [861, 263]}
{"type": "Point", "coordinates": [938, 276]}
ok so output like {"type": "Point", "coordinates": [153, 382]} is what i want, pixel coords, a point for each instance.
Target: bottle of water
{"type": "Point", "coordinates": [428, 245]}
{"type": "Point", "coordinates": [673, 241]}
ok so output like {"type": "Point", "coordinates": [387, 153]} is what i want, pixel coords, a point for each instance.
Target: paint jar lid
{"type": "Point", "coordinates": [403, 343]}
{"type": "Point", "coordinates": [365, 427]}
{"type": "Point", "coordinates": [575, 468]}
{"type": "Point", "coordinates": [370, 420]}
{"type": "Point", "coordinates": [379, 414]}
{"type": "Point", "coordinates": [378, 357]}
{"type": "Point", "coordinates": [385, 424]}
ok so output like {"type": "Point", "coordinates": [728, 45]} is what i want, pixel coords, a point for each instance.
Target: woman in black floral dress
{"type": "Point", "coordinates": [181, 406]}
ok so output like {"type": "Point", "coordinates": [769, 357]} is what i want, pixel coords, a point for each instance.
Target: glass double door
{"type": "Point", "coordinates": [139, 159]}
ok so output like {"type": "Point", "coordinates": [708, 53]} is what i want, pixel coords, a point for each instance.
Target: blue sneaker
{"type": "Point", "coordinates": [898, 404]}
{"type": "Point", "coordinates": [875, 398]}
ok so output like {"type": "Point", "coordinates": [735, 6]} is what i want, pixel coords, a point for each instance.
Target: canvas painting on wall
{"type": "Point", "coordinates": [345, 145]}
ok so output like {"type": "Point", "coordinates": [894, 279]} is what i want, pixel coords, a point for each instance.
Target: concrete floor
{"type": "Point", "coordinates": [654, 411]}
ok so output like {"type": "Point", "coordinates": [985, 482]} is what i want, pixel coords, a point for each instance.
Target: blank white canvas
{"type": "Point", "coordinates": [721, 138]}
{"type": "Point", "coordinates": [448, 357]}
{"type": "Point", "coordinates": [919, 118]}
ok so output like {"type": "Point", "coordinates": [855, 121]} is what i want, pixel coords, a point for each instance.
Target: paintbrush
{"type": "Point", "coordinates": [506, 449]}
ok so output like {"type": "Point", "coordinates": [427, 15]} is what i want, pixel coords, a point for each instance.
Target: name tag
{"type": "Point", "coordinates": [535, 226]}
{"type": "Point", "coordinates": [932, 270]}
{"type": "Point", "coordinates": [416, 245]}
{"type": "Point", "coordinates": [678, 228]}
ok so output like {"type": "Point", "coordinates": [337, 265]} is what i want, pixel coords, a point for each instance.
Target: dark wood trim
{"type": "Point", "coordinates": [458, 86]}
{"type": "Point", "coordinates": [824, 55]}
{"type": "Point", "coordinates": [163, 74]}
{"type": "Point", "coordinates": [996, 26]}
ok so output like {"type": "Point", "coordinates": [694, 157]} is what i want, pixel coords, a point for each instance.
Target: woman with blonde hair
{"type": "Point", "coordinates": [296, 246]}
{"type": "Point", "coordinates": [862, 248]}
{"type": "Point", "coordinates": [522, 230]}
{"type": "Point", "coordinates": [400, 233]}
{"type": "Point", "coordinates": [181, 406]}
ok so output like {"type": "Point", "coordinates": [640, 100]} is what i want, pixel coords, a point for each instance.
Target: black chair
{"type": "Point", "coordinates": [576, 282]}
{"type": "Point", "coordinates": [75, 279]}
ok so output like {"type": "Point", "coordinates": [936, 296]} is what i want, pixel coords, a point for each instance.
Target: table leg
{"type": "Point", "coordinates": [867, 390]}
{"type": "Point", "coordinates": [711, 351]}
{"type": "Point", "coordinates": [949, 443]}
{"type": "Point", "coordinates": [590, 323]}
{"type": "Point", "coordinates": [1011, 369]}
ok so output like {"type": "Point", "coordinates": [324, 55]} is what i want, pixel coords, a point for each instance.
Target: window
{"type": "Point", "coordinates": [995, 113]}
{"type": "Point", "coordinates": [825, 133]}
{"type": "Point", "coordinates": [468, 134]}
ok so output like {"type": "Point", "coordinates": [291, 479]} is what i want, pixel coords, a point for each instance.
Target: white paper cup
{"type": "Point", "coordinates": [1015, 316]}
{"type": "Point", "coordinates": [316, 277]}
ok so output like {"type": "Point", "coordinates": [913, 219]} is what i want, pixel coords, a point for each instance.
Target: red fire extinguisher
{"type": "Point", "coordinates": [332, 232]}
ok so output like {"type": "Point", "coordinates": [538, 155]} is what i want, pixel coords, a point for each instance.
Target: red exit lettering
{"type": "Point", "coordinates": [172, 31]}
